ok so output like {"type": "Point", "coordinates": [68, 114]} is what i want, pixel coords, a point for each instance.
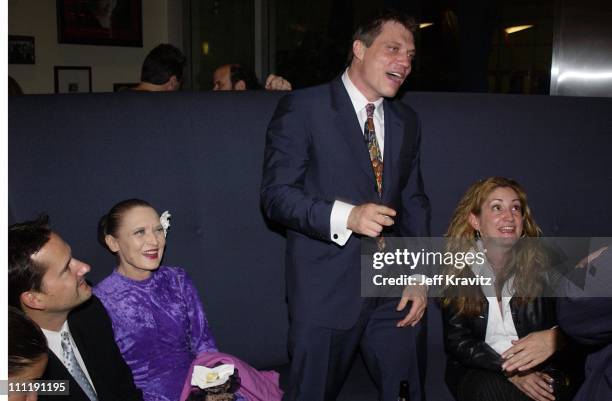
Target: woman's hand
{"type": "Point", "coordinates": [536, 385]}
{"type": "Point", "coordinates": [531, 350]}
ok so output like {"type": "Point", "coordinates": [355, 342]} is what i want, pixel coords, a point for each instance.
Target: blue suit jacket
{"type": "Point", "coordinates": [316, 154]}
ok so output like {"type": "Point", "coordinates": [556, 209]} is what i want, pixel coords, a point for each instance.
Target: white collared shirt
{"type": "Point", "coordinates": [339, 233]}
{"type": "Point", "coordinates": [500, 325]}
{"type": "Point", "coordinates": [359, 104]}
{"type": "Point", "coordinates": [54, 342]}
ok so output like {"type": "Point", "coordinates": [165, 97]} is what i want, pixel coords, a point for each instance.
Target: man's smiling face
{"type": "Point", "coordinates": [380, 69]}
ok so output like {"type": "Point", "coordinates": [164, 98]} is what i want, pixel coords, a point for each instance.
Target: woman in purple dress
{"type": "Point", "coordinates": [158, 319]}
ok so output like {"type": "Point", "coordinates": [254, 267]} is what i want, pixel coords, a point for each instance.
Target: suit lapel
{"type": "Point", "coordinates": [57, 371]}
{"type": "Point", "coordinates": [86, 354]}
{"type": "Point", "coordinates": [394, 129]}
{"type": "Point", "coordinates": [346, 122]}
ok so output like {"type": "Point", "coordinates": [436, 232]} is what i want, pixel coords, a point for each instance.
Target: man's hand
{"type": "Point", "coordinates": [418, 295]}
{"type": "Point", "coordinates": [591, 257]}
{"type": "Point", "coordinates": [531, 350]}
{"type": "Point", "coordinates": [370, 219]}
{"type": "Point", "coordinates": [277, 83]}
{"type": "Point", "coordinates": [536, 385]}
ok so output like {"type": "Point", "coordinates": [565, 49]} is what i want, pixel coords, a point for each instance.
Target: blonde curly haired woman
{"type": "Point", "coordinates": [502, 340]}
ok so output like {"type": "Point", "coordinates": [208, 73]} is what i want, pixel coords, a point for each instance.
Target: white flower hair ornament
{"type": "Point", "coordinates": [164, 220]}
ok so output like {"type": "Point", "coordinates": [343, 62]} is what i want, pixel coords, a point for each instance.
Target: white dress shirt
{"type": "Point", "coordinates": [339, 233]}
{"type": "Point", "coordinates": [54, 342]}
{"type": "Point", "coordinates": [500, 325]}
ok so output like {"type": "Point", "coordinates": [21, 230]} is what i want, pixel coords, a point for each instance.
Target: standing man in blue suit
{"type": "Point", "coordinates": [342, 162]}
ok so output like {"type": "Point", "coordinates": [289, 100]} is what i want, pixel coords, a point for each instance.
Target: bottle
{"type": "Point", "coordinates": [404, 394]}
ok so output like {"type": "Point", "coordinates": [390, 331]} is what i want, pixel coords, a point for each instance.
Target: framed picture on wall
{"type": "Point", "coordinates": [100, 22]}
{"type": "Point", "coordinates": [21, 50]}
{"type": "Point", "coordinates": [72, 79]}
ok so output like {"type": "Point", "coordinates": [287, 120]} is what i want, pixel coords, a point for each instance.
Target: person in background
{"type": "Point", "coordinates": [585, 315]}
{"type": "Point", "coordinates": [157, 308]}
{"type": "Point", "coordinates": [162, 69]}
{"type": "Point", "coordinates": [236, 77]}
{"type": "Point", "coordinates": [502, 338]}
{"type": "Point", "coordinates": [27, 352]}
{"type": "Point", "coordinates": [49, 286]}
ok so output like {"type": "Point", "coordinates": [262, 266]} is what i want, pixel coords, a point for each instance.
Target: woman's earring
{"type": "Point", "coordinates": [478, 236]}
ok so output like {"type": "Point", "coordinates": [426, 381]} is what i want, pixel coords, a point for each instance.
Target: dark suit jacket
{"type": "Point", "coordinates": [316, 154]}
{"type": "Point", "coordinates": [586, 316]}
{"type": "Point", "coordinates": [92, 331]}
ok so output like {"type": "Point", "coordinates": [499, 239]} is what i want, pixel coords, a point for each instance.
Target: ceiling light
{"type": "Point", "coordinates": [517, 28]}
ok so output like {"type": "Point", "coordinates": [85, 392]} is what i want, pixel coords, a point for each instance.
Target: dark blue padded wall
{"type": "Point", "coordinates": [199, 155]}
{"type": "Point", "coordinates": [558, 148]}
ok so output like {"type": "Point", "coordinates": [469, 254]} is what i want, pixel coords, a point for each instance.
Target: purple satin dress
{"type": "Point", "coordinates": [159, 326]}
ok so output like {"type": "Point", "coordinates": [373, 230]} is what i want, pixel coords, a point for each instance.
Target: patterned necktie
{"type": "Point", "coordinates": [75, 369]}
{"type": "Point", "coordinates": [375, 159]}
{"type": "Point", "coordinates": [375, 156]}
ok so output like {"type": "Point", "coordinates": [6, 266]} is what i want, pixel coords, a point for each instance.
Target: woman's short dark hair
{"type": "Point", "coordinates": [26, 342]}
{"type": "Point", "coordinates": [370, 28]}
{"type": "Point", "coordinates": [24, 240]}
{"type": "Point", "coordinates": [110, 222]}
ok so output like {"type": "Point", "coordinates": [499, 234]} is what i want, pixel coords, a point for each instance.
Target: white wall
{"type": "Point", "coordinates": [109, 64]}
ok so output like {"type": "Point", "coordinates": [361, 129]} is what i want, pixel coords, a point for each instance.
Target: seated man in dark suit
{"type": "Point", "coordinates": [586, 316]}
{"type": "Point", "coordinates": [49, 285]}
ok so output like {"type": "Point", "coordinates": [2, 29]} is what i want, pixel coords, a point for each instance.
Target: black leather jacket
{"type": "Point", "coordinates": [464, 337]}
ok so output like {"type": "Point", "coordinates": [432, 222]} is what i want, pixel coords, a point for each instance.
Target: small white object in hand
{"type": "Point", "coordinates": [204, 377]}
{"type": "Point", "coordinates": [164, 220]}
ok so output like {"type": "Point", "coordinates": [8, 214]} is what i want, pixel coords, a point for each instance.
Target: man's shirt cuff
{"type": "Point", "coordinates": [338, 221]}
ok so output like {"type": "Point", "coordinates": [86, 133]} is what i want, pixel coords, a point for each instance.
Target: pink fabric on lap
{"type": "Point", "coordinates": [255, 385]}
